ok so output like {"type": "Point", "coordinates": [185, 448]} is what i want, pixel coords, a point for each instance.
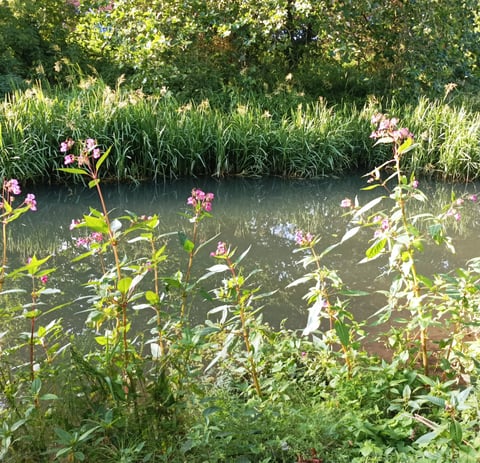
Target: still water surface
{"type": "Point", "coordinates": [263, 213]}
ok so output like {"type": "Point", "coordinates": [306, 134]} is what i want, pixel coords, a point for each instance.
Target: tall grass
{"type": "Point", "coordinates": [158, 136]}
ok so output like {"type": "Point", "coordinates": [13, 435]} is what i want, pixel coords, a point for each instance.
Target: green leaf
{"type": "Point", "coordinates": [73, 170]}
{"type": "Point", "coordinates": [427, 438]}
{"type": "Point", "coordinates": [124, 285]}
{"type": "Point", "coordinates": [187, 245]}
{"type": "Point", "coordinates": [93, 183]}
{"type": "Point", "coordinates": [36, 386]}
{"type": "Point", "coordinates": [242, 256]}
{"type": "Point", "coordinates": [406, 146]}
{"type": "Point", "coordinates": [343, 333]}
{"type": "Point", "coordinates": [376, 248]}
{"type": "Point", "coordinates": [455, 430]}
{"type": "Point", "coordinates": [152, 297]}
{"type": "Point", "coordinates": [104, 156]}
{"type": "Point", "coordinates": [49, 397]}
{"type": "Point", "coordinates": [96, 224]}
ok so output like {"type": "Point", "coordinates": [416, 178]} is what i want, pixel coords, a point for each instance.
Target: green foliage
{"type": "Point", "coordinates": [233, 388]}
{"type": "Point", "coordinates": [162, 137]}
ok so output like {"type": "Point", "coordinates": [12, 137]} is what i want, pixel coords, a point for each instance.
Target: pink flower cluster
{"type": "Point", "coordinates": [200, 200]}
{"type": "Point", "coordinates": [221, 251]}
{"type": "Point", "coordinates": [89, 148]}
{"type": "Point", "coordinates": [387, 128]}
{"type": "Point", "coordinates": [303, 239]}
{"type": "Point", "coordinates": [86, 241]}
{"type": "Point", "coordinates": [12, 187]}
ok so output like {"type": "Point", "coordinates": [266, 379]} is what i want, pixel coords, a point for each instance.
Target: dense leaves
{"type": "Point", "coordinates": [321, 47]}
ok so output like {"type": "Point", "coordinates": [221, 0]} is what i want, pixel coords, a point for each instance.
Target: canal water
{"type": "Point", "coordinates": [261, 213]}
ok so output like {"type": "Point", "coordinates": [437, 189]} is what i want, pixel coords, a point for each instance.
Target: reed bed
{"type": "Point", "coordinates": [159, 137]}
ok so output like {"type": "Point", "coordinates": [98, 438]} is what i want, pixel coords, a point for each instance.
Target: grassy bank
{"type": "Point", "coordinates": [156, 137]}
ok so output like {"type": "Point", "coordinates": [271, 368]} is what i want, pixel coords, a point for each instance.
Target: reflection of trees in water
{"type": "Point", "coordinates": [263, 213]}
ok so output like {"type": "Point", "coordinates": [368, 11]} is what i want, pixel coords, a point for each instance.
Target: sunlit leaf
{"type": "Point", "coordinates": [104, 156]}
{"type": "Point", "coordinates": [376, 248]}
{"type": "Point", "coordinates": [96, 224]}
{"type": "Point", "coordinates": [313, 321]}
{"type": "Point", "coordinates": [218, 268]}
{"type": "Point", "coordinates": [124, 285]}
{"type": "Point", "coordinates": [350, 233]}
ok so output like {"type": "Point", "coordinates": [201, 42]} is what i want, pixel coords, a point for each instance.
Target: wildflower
{"type": "Point", "coordinates": [303, 239]}
{"type": "Point", "coordinates": [12, 186]}
{"type": "Point", "coordinates": [96, 237]}
{"type": "Point", "coordinates": [346, 203]}
{"type": "Point", "coordinates": [69, 159]}
{"type": "Point", "coordinates": [473, 198]}
{"type": "Point", "coordinates": [74, 223]}
{"type": "Point", "coordinates": [90, 144]}
{"type": "Point", "coordinates": [66, 145]}
{"type": "Point", "coordinates": [221, 250]}
{"type": "Point", "coordinates": [457, 216]}
{"type": "Point", "coordinates": [415, 184]}
{"type": "Point", "coordinates": [31, 201]}
{"type": "Point", "coordinates": [459, 201]}
{"type": "Point", "coordinates": [96, 153]}
{"type": "Point", "coordinates": [44, 279]}
{"type": "Point", "coordinates": [385, 225]}
{"type": "Point", "coordinates": [200, 201]}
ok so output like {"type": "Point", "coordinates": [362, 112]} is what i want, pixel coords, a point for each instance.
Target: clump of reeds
{"type": "Point", "coordinates": [159, 136]}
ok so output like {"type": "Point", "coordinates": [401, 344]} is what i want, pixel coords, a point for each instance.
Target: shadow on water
{"type": "Point", "coordinates": [263, 213]}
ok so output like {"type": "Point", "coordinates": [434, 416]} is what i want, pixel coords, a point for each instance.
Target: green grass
{"type": "Point", "coordinates": [158, 136]}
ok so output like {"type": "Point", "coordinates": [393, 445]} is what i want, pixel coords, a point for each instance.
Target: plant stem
{"type": "Point", "coordinates": [245, 334]}
{"type": "Point", "coordinates": [189, 269]}
{"type": "Point", "coordinates": [413, 269]}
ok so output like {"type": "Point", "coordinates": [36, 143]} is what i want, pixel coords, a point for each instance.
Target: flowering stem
{"type": "Point", "coordinates": [245, 334]}
{"type": "Point", "coordinates": [413, 269]}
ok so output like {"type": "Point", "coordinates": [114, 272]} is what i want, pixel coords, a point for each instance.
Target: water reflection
{"type": "Point", "coordinates": [263, 213]}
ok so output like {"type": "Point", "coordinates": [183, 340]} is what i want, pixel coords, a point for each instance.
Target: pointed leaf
{"type": "Point", "coordinates": [376, 248]}
{"type": "Point", "coordinates": [104, 156]}
{"type": "Point", "coordinates": [313, 321]}
{"type": "Point", "coordinates": [350, 233]}
{"type": "Point", "coordinates": [218, 268]}
{"type": "Point", "coordinates": [343, 333]}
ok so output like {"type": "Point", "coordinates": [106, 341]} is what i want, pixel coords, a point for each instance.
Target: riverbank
{"type": "Point", "coordinates": [160, 137]}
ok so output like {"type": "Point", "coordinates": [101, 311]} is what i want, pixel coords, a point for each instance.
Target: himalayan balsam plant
{"type": "Point", "coordinates": [400, 235]}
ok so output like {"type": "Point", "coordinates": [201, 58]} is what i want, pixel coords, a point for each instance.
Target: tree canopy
{"type": "Point", "coordinates": [314, 46]}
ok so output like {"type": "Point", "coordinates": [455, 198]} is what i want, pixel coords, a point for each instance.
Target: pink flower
{"type": "Point", "coordinates": [221, 250]}
{"type": "Point", "coordinates": [90, 143]}
{"type": "Point", "coordinates": [303, 239]}
{"type": "Point", "coordinates": [96, 153]}
{"type": "Point", "coordinates": [346, 203]}
{"type": "Point", "coordinates": [200, 201]}
{"type": "Point", "coordinates": [97, 237]}
{"type": "Point", "coordinates": [12, 186]}
{"type": "Point", "coordinates": [74, 223]}
{"type": "Point", "coordinates": [69, 159]}
{"type": "Point", "coordinates": [66, 145]}
{"type": "Point", "coordinates": [44, 279]}
{"type": "Point", "coordinates": [457, 216]}
{"type": "Point", "coordinates": [31, 201]}
{"type": "Point", "coordinates": [473, 198]}
{"type": "Point", "coordinates": [415, 184]}
{"type": "Point", "coordinates": [385, 225]}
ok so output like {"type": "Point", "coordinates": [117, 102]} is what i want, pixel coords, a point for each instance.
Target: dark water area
{"type": "Point", "coordinates": [263, 214]}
